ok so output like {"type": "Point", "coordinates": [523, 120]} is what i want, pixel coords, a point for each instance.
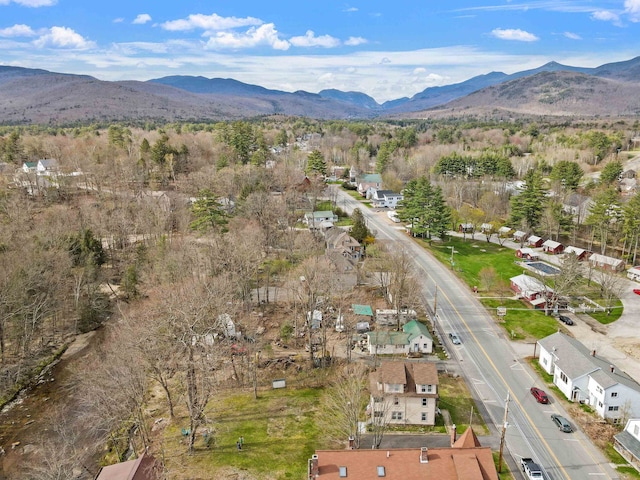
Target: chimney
{"type": "Point", "coordinates": [314, 470]}
{"type": "Point", "coordinates": [453, 434]}
{"type": "Point", "coordinates": [593, 352]}
{"type": "Point", "coordinates": [352, 443]}
{"type": "Point", "coordinates": [611, 368]}
{"type": "Point", "coordinates": [388, 453]}
{"type": "Point", "coordinates": [424, 455]}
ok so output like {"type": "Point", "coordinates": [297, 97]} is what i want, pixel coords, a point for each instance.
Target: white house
{"type": "Point", "coordinates": [368, 182]}
{"type": "Point", "coordinates": [404, 393]}
{"type": "Point", "coordinates": [583, 376]}
{"type": "Point", "coordinates": [415, 337]}
{"type": "Point", "coordinates": [318, 219]}
{"type": "Point", "coordinates": [385, 199]}
{"type": "Point", "coordinates": [627, 442]}
{"type": "Point", "coordinates": [47, 165]}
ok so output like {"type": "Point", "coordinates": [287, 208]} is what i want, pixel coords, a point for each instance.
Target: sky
{"type": "Point", "coordinates": [386, 49]}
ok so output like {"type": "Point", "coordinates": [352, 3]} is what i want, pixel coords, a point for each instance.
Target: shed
{"type": "Point", "coordinates": [519, 236]}
{"type": "Point", "coordinates": [466, 228]}
{"type": "Point", "coordinates": [606, 263]}
{"type": "Point", "coordinates": [486, 228]}
{"type": "Point", "coordinates": [581, 253]}
{"type": "Point", "coordinates": [362, 310]}
{"type": "Point", "coordinates": [144, 467]}
{"type": "Point", "coordinates": [504, 231]}
{"type": "Point", "coordinates": [535, 241]}
{"type": "Point", "coordinates": [527, 253]}
{"type": "Point", "coordinates": [552, 247]}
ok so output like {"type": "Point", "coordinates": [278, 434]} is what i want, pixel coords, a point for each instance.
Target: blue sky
{"type": "Point", "coordinates": [387, 49]}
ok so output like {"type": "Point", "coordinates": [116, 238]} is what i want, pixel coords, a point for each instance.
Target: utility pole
{"type": "Point", "coordinates": [504, 431]}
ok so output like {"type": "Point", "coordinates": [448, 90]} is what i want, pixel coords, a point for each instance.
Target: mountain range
{"type": "Point", "coordinates": [35, 96]}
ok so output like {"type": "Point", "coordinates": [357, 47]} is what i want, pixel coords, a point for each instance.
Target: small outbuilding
{"type": "Point", "coordinates": [580, 253]}
{"type": "Point", "coordinates": [527, 253]}
{"type": "Point", "coordinates": [607, 263]}
{"type": "Point", "coordinates": [552, 247]}
{"type": "Point", "coordinates": [534, 241]}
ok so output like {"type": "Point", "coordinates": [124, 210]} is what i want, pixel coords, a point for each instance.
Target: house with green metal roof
{"type": "Point", "coordinates": [414, 338]}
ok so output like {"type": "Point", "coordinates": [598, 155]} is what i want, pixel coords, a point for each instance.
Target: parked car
{"type": "Point", "coordinates": [539, 395]}
{"type": "Point", "coordinates": [454, 338]}
{"type": "Point", "coordinates": [566, 320]}
{"type": "Point", "coordinates": [562, 423]}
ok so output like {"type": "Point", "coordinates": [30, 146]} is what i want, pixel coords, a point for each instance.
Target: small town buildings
{"type": "Point", "coordinates": [519, 236]}
{"type": "Point", "coordinates": [367, 183]}
{"type": "Point", "coordinates": [527, 253]}
{"type": "Point", "coordinates": [504, 231]}
{"type": "Point", "coordinates": [144, 467]}
{"type": "Point", "coordinates": [404, 393]}
{"type": "Point", "coordinates": [581, 253]}
{"type": "Point", "coordinates": [552, 247]}
{"type": "Point", "coordinates": [627, 442]}
{"type": "Point", "coordinates": [385, 199]}
{"type": "Point", "coordinates": [466, 228]}
{"type": "Point", "coordinates": [47, 165]}
{"type": "Point", "coordinates": [534, 241]}
{"type": "Point", "coordinates": [531, 289]}
{"type": "Point", "coordinates": [577, 206]}
{"type": "Point", "coordinates": [317, 220]}
{"type": "Point", "coordinates": [606, 263]}
{"type": "Point", "coordinates": [414, 338]}
{"type": "Point", "coordinates": [340, 241]}
{"type": "Point", "coordinates": [583, 376]}
{"type": "Point", "coordinates": [486, 228]}
{"type": "Point", "coordinates": [466, 459]}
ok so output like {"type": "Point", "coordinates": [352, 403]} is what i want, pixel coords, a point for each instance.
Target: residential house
{"type": "Point", "coordinates": [486, 228]}
{"type": "Point", "coordinates": [581, 253]}
{"type": "Point", "coordinates": [339, 240]}
{"type": "Point", "coordinates": [534, 241]}
{"type": "Point", "coordinates": [577, 206]}
{"type": "Point", "coordinates": [317, 220]}
{"type": "Point", "coordinates": [414, 337]}
{"type": "Point", "coordinates": [531, 289]}
{"type": "Point", "coordinates": [627, 442]}
{"type": "Point", "coordinates": [552, 247]}
{"type": "Point", "coordinates": [527, 253]}
{"type": "Point", "coordinates": [583, 376]}
{"type": "Point", "coordinates": [504, 231]}
{"type": "Point", "coordinates": [606, 263]}
{"type": "Point", "coordinates": [385, 199]}
{"type": "Point", "coordinates": [519, 236]}
{"type": "Point", "coordinates": [466, 459]}
{"type": "Point", "coordinates": [367, 183]}
{"type": "Point", "coordinates": [144, 467]}
{"type": "Point", "coordinates": [466, 228]}
{"type": "Point", "coordinates": [47, 165]}
{"type": "Point", "coordinates": [404, 393]}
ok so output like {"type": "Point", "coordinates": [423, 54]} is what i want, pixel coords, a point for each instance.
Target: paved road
{"type": "Point", "coordinates": [492, 367]}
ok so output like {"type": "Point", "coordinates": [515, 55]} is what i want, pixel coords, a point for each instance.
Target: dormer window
{"type": "Point", "coordinates": [381, 472]}
{"type": "Point", "coordinates": [343, 472]}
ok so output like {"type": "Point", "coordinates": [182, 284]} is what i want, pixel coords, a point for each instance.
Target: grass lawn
{"type": "Point", "coordinates": [279, 430]}
{"type": "Point", "coordinates": [456, 398]}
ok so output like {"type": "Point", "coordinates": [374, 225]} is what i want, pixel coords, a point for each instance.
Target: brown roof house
{"type": "Point", "coordinates": [404, 393]}
{"type": "Point", "coordinates": [144, 467]}
{"type": "Point", "coordinates": [466, 459]}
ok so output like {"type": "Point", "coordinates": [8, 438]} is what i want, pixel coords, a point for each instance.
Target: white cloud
{"type": "Point", "coordinates": [310, 40]}
{"type": "Point", "coordinates": [632, 8]}
{"type": "Point", "coordinates": [263, 35]}
{"type": "Point", "coordinates": [118, 20]}
{"type": "Point", "coordinates": [572, 36]}
{"type": "Point", "coordinates": [30, 3]}
{"type": "Point", "coordinates": [355, 41]}
{"type": "Point", "coordinates": [17, 31]}
{"type": "Point", "coordinates": [384, 60]}
{"type": "Point", "coordinates": [326, 78]}
{"type": "Point", "coordinates": [212, 22]}
{"type": "Point", "coordinates": [419, 71]}
{"type": "Point", "coordinates": [142, 19]}
{"type": "Point", "coordinates": [63, 37]}
{"type": "Point", "coordinates": [350, 9]}
{"type": "Point", "coordinates": [606, 16]}
{"type": "Point", "coordinates": [514, 34]}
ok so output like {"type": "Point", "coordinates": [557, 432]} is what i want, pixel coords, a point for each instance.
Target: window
{"type": "Point", "coordinates": [381, 472]}
{"type": "Point", "coordinates": [343, 471]}
{"type": "Point", "coordinates": [424, 346]}
{"type": "Point", "coordinates": [616, 421]}
{"type": "Point", "coordinates": [614, 394]}
{"type": "Point", "coordinates": [396, 415]}
{"type": "Point", "coordinates": [544, 361]}
{"type": "Point", "coordinates": [600, 404]}
{"type": "Point", "coordinates": [613, 408]}
{"type": "Point", "coordinates": [396, 401]}
{"type": "Point", "coordinates": [563, 377]}
{"type": "Point", "coordinates": [429, 388]}
{"type": "Point", "coordinates": [636, 430]}
{"type": "Point", "coordinates": [377, 414]}
{"type": "Point", "coordinates": [423, 389]}
{"type": "Point", "coordinates": [424, 402]}
{"type": "Point", "coordinates": [424, 416]}
{"type": "Point", "coordinates": [598, 389]}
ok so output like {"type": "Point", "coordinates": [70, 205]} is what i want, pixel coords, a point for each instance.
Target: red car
{"type": "Point", "coordinates": [540, 396]}
{"type": "Point", "coordinates": [636, 291]}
